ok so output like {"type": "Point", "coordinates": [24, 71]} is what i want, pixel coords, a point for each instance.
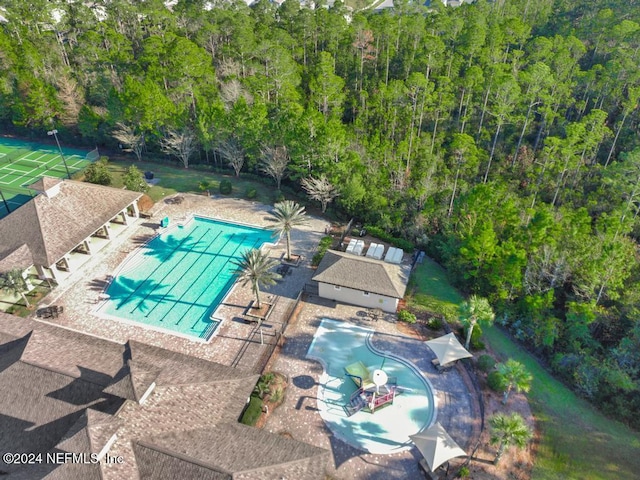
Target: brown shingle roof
{"type": "Point", "coordinates": [134, 380]}
{"type": "Point", "coordinates": [51, 227]}
{"type": "Point", "coordinates": [45, 183]}
{"type": "Point", "coordinates": [232, 450]}
{"type": "Point", "coordinates": [20, 258]}
{"type": "Point", "coordinates": [53, 379]}
{"type": "Point", "coordinates": [363, 273]}
{"type": "Point", "coordinates": [90, 433]}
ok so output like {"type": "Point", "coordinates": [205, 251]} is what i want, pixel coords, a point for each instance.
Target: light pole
{"type": "Point", "coordinates": [54, 132]}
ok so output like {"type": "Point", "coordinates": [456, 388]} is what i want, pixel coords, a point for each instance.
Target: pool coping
{"type": "Point", "coordinates": [325, 372]}
{"type": "Point", "coordinates": [181, 223]}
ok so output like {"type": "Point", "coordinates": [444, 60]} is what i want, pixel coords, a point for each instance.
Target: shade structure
{"type": "Point", "coordinates": [448, 349]}
{"type": "Point", "coordinates": [436, 446]}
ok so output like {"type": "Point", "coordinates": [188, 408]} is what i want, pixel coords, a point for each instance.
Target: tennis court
{"type": "Point", "coordinates": [23, 163]}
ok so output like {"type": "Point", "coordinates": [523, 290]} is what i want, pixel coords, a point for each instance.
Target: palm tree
{"type": "Point", "coordinates": [254, 267]}
{"type": "Point", "coordinates": [14, 283]}
{"type": "Point", "coordinates": [473, 311]}
{"type": "Point", "coordinates": [288, 214]}
{"type": "Point", "coordinates": [516, 376]}
{"type": "Point", "coordinates": [508, 430]}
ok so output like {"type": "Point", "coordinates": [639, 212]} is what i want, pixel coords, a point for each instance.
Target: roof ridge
{"type": "Point", "coordinates": [181, 456]}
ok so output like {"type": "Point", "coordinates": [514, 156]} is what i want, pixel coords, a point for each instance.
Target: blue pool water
{"type": "Point", "coordinates": [177, 280]}
{"type": "Point", "coordinates": [338, 344]}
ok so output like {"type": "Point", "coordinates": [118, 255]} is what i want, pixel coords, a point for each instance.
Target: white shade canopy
{"type": "Point", "coordinates": [436, 446]}
{"type": "Point", "coordinates": [448, 349]}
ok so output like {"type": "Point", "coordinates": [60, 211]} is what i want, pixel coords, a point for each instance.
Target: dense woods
{"type": "Point", "coordinates": [502, 137]}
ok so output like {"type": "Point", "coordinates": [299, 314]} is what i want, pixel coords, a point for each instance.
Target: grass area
{"type": "Point", "coordinates": [174, 180]}
{"type": "Point", "coordinates": [576, 441]}
{"type": "Point", "coordinates": [431, 291]}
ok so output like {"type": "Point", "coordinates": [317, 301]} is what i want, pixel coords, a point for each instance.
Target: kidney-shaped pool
{"type": "Point", "coordinates": [339, 344]}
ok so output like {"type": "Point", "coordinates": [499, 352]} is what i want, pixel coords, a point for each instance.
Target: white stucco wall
{"type": "Point", "coordinates": [357, 297]}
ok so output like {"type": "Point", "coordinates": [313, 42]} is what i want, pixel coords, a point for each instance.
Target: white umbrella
{"type": "Point", "coordinates": [448, 349]}
{"type": "Point", "coordinates": [436, 446]}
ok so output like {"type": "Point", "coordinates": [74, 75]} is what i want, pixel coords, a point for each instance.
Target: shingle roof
{"type": "Point", "coordinates": [133, 381]}
{"type": "Point", "coordinates": [230, 451]}
{"type": "Point", "coordinates": [362, 273]}
{"type": "Point", "coordinates": [54, 385]}
{"type": "Point", "coordinates": [53, 226]}
{"type": "Point", "coordinates": [19, 257]}
{"type": "Point", "coordinates": [90, 433]}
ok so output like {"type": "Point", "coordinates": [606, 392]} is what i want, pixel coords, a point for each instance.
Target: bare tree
{"type": "Point", "coordinates": [320, 189]}
{"type": "Point", "coordinates": [130, 139]}
{"type": "Point", "coordinates": [274, 162]}
{"type": "Point", "coordinates": [180, 144]}
{"type": "Point", "coordinates": [233, 152]}
{"type": "Point", "coordinates": [71, 98]}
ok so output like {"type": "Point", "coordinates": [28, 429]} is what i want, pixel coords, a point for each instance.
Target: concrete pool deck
{"type": "Point", "coordinates": [298, 416]}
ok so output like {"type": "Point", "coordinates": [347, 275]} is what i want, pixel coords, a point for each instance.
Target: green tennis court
{"type": "Point", "coordinates": [23, 163]}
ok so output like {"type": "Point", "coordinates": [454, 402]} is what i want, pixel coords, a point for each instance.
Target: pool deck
{"type": "Point", "coordinates": [298, 415]}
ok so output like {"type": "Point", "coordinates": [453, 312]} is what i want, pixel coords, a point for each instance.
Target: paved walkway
{"type": "Point", "coordinates": [299, 417]}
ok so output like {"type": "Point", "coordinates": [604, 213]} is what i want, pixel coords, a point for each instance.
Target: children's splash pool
{"type": "Point", "coordinates": [339, 344]}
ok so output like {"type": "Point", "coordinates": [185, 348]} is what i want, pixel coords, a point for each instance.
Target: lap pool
{"type": "Point", "coordinates": [176, 281]}
{"type": "Point", "coordinates": [339, 344]}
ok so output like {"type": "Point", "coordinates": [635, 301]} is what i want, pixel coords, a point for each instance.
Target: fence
{"type": "Point", "coordinates": [261, 343]}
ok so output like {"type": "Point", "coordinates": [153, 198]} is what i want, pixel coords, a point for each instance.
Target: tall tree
{"type": "Point", "coordinates": [14, 283]}
{"type": "Point", "coordinates": [181, 144]}
{"type": "Point", "coordinates": [517, 377]}
{"type": "Point", "coordinates": [320, 189]}
{"type": "Point", "coordinates": [475, 311]}
{"type": "Point", "coordinates": [254, 268]}
{"type": "Point", "coordinates": [287, 215]}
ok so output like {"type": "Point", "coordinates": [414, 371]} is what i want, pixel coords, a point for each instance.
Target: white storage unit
{"type": "Point", "coordinates": [372, 250]}
{"type": "Point", "coordinates": [351, 245]}
{"type": "Point", "coordinates": [357, 250]}
{"type": "Point", "coordinates": [379, 252]}
{"type": "Point", "coordinates": [390, 254]}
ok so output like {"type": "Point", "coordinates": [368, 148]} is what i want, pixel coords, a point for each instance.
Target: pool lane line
{"type": "Point", "coordinates": [214, 279]}
{"type": "Point", "coordinates": [215, 256]}
{"type": "Point", "coordinates": [158, 283]}
{"type": "Point", "coordinates": [123, 302]}
{"type": "Point", "coordinates": [186, 271]}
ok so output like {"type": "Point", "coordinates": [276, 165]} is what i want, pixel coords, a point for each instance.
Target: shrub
{"type": "Point", "coordinates": [464, 472]}
{"type": "Point", "coordinates": [251, 193]}
{"type": "Point", "coordinates": [486, 363]}
{"type": "Point", "coordinates": [496, 382]}
{"type": "Point", "coordinates": [406, 316]}
{"type": "Point", "coordinates": [252, 412]}
{"type": "Point", "coordinates": [226, 187]}
{"type": "Point", "coordinates": [377, 232]}
{"type": "Point", "coordinates": [134, 180]}
{"type": "Point", "coordinates": [323, 246]}
{"type": "Point", "coordinates": [434, 323]}
{"type": "Point", "coordinates": [98, 172]}
{"type": "Point", "coordinates": [279, 197]}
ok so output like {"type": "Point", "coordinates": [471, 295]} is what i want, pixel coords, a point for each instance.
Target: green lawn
{"type": "Point", "coordinates": [174, 180]}
{"type": "Point", "coordinates": [432, 291]}
{"type": "Point", "coordinates": [576, 441]}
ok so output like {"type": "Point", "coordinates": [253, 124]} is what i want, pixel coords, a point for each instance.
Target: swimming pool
{"type": "Point", "coordinates": [338, 344]}
{"type": "Point", "coordinates": [175, 281]}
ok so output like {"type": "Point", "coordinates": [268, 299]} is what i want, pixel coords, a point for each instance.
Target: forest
{"type": "Point", "coordinates": [500, 137]}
